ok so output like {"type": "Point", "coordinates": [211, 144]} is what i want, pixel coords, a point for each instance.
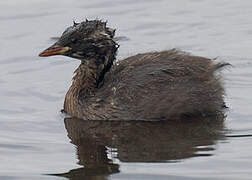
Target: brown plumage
{"type": "Point", "coordinates": [151, 86]}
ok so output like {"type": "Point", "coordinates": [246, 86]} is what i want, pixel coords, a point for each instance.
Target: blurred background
{"type": "Point", "coordinates": [38, 142]}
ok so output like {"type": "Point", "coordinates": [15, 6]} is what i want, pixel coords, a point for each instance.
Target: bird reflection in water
{"type": "Point", "coordinates": [138, 142]}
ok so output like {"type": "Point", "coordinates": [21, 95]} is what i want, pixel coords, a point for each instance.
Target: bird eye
{"type": "Point", "coordinates": [73, 40]}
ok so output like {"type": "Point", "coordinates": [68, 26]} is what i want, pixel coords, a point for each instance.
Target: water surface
{"type": "Point", "coordinates": [37, 142]}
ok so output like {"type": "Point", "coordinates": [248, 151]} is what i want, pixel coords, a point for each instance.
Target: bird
{"type": "Point", "coordinates": [152, 86]}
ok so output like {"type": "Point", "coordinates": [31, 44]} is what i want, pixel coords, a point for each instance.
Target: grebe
{"type": "Point", "coordinates": [152, 86]}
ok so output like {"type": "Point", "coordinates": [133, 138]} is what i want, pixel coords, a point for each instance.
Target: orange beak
{"type": "Point", "coordinates": [54, 50]}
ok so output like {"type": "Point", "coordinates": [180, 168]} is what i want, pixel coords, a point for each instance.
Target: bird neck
{"type": "Point", "coordinates": [90, 74]}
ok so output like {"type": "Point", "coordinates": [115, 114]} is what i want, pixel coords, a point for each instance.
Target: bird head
{"type": "Point", "coordinates": [84, 41]}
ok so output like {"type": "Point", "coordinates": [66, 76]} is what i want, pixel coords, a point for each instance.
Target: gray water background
{"type": "Point", "coordinates": [33, 139]}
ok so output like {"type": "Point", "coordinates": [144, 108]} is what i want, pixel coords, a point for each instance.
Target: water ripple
{"type": "Point", "coordinates": [28, 16]}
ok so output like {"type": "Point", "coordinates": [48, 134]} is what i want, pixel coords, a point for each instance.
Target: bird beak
{"type": "Point", "coordinates": [54, 50]}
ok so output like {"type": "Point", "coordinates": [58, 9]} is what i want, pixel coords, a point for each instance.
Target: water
{"type": "Point", "coordinates": [37, 143]}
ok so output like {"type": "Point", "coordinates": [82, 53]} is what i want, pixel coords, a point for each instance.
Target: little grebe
{"type": "Point", "coordinates": [151, 86]}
